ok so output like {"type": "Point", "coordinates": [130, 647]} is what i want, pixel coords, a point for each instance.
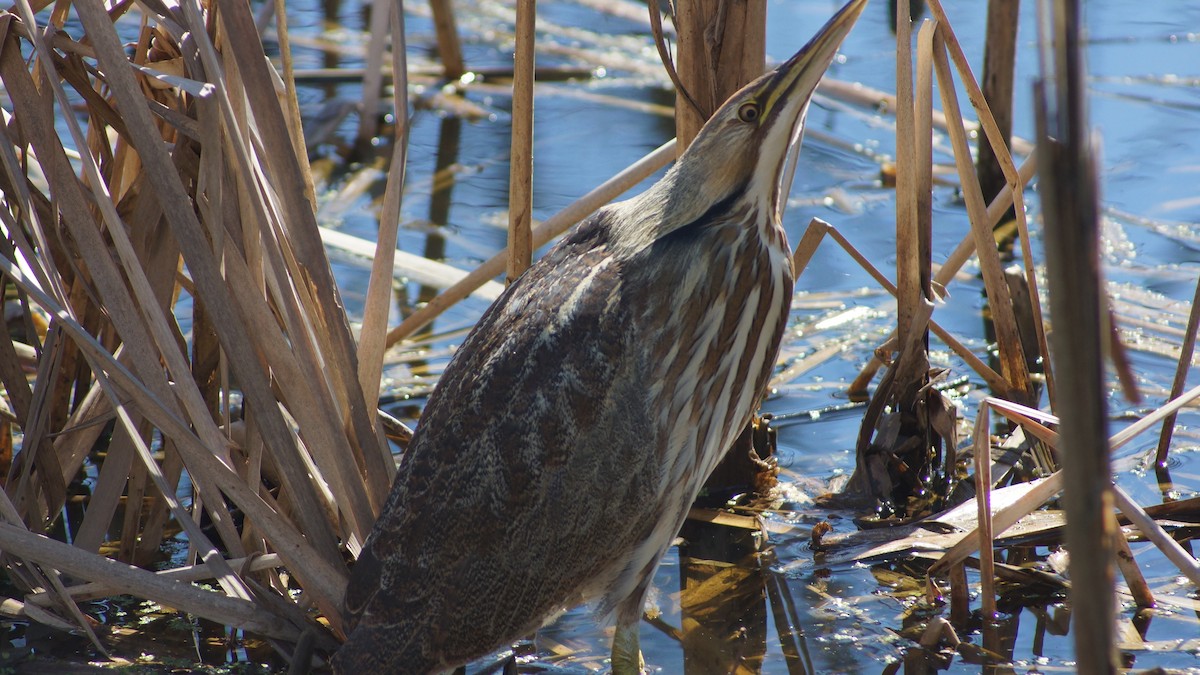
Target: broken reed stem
{"type": "Point", "coordinates": [995, 211]}
{"type": "Point", "coordinates": [1186, 351]}
{"type": "Point", "coordinates": [983, 490]}
{"type": "Point", "coordinates": [960, 595]}
{"type": "Point", "coordinates": [242, 613]}
{"type": "Point", "coordinates": [372, 340]}
{"type": "Point", "coordinates": [1118, 354]}
{"type": "Point", "coordinates": [198, 572]}
{"type": "Point", "coordinates": [520, 177]}
{"type": "Point", "coordinates": [1139, 590]}
{"type": "Point", "coordinates": [807, 247]}
{"type": "Point", "coordinates": [908, 264]}
{"type": "Point", "coordinates": [1012, 356]}
{"type": "Point", "coordinates": [923, 151]}
{"type": "Point", "coordinates": [1002, 519]}
{"type": "Point", "coordinates": [1002, 154]}
{"type": "Point", "coordinates": [1154, 532]}
{"type": "Point", "coordinates": [542, 233]}
{"type": "Point", "coordinates": [1033, 420]}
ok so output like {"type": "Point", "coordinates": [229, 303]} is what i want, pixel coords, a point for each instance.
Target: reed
{"type": "Point", "coordinates": [520, 179]}
{"type": "Point", "coordinates": [175, 258]}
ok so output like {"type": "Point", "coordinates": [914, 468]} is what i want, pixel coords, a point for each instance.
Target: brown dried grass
{"type": "Point", "coordinates": [168, 236]}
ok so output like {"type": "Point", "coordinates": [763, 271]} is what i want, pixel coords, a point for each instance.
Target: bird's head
{"type": "Point", "coordinates": [743, 145]}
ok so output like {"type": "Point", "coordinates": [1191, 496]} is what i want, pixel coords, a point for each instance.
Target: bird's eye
{"type": "Point", "coordinates": [748, 112]}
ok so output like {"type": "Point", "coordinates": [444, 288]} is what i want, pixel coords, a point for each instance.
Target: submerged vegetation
{"type": "Point", "coordinates": [192, 391]}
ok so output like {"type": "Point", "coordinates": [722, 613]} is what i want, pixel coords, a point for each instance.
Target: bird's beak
{"type": "Point", "coordinates": [788, 91]}
{"type": "Point", "coordinates": [794, 81]}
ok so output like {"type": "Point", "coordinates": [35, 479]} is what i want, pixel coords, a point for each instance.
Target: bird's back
{"type": "Point", "coordinates": [480, 538]}
{"type": "Point", "coordinates": [538, 476]}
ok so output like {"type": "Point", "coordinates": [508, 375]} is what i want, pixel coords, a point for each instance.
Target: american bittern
{"type": "Point", "coordinates": [569, 435]}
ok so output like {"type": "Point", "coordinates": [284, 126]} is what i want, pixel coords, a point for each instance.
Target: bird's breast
{"type": "Point", "coordinates": [714, 327]}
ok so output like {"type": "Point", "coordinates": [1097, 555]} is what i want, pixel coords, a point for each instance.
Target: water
{"type": "Point", "coordinates": [845, 619]}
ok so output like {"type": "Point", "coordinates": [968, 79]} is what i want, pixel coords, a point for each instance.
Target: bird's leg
{"type": "Point", "coordinates": [626, 648]}
{"type": "Point", "coordinates": [626, 652]}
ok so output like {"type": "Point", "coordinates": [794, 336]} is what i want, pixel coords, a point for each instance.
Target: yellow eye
{"type": "Point", "coordinates": [748, 112]}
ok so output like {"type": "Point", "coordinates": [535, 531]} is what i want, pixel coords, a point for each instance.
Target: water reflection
{"type": "Point", "coordinates": [722, 600]}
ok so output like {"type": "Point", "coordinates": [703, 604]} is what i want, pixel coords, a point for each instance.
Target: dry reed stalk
{"type": "Point", "coordinates": [1019, 413]}
{"type": "Point", "coordinates": [1030, 419]}
{"type": "Point", "coordinates": [372, 338]}
{"type": "Point", "coordinates": [882, 102]}
{"type": "Point", "coordinates": [41, 576]}
{"type": "Point", "coordinates": [923, 137]}
{"type": "Point", "coordinates": [290, 100]}
{"type": "Point", "coordinates": [520, 177]}
{"type": "Point", "coordinates": [807, 246]}
{"type": "Point", "coordinates": [999, 65]}
{"type": "Point", "coordinates": [542, 233]}
{"type": "Point", "coordinates": [199, 572]}
{"type": "Point", "coordinates": [960, 594]}
{"type": "Point", "coordinates": [1159, 414]}
{"type": "Point", "coordinates": [183, 190]}
{"type": "Point", "coordinates": [1079, 310]}
{"type": "Point", "coordinates": [1153, 531]}
{"type": "Point", "coordinates": [140, 583]}
{"type": "Point", "coordinates": [1012, 357]}
{"type": "Point", "coordinates": [1139, 590]}
{"type": "Point", "coordinates": [912, 236]}
{"type": "Point", "coordinates": [1118, 354]}
{"type": "Point", "coordinates": [999, 146]}
{"type": "Point", "coordinates": [405, 265]}
{"type": "Point", "coordinates": [995, 211]}
{"type": "Point", "coordinates": [983, 490]}
{"type": "Point", "coordinates": [668, 60]}
{"type": "Point", "coordinates": [1183, 366]}
{"type": "Point", "coordinates": [721, 47]}
{"type": "Point", "coordinates": [1002, 519]}
{"type": "Point", "coordinates": [908, 264]}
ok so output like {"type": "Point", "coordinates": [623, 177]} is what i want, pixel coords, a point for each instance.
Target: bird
{"type": "Point", "coordinates": [558, 456]}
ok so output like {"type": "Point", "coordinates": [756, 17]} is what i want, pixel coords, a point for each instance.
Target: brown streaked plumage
{"type": "Point", "coordinates": [569, 435]}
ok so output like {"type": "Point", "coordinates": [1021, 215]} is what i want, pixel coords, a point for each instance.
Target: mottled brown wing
{"type": "Point", "coordinates": [485, 534]}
